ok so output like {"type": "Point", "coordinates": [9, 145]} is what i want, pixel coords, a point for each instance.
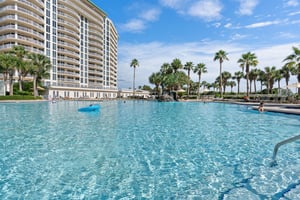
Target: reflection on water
{"type": "Point", "coordinates": [142, 149]}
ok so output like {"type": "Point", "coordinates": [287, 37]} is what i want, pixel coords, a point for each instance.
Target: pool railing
{"type": "Point", "coordinates": [292, 139]}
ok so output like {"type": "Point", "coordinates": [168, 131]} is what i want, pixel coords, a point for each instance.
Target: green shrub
{"type": "Point", "coordinates": [19, 97]}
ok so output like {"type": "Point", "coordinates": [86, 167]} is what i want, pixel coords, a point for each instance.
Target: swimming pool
{"type": "Point", "coordinates": [146, 150]}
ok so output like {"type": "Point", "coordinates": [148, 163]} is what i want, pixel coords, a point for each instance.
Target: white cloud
{"type": "Point", "coordinates": [262, 24]}
{"type": "Point", "coordinates": [292, 3]}
{"type": "Point", "coordinates": [287, 35]}
{"type": "Point", "coordinates": [294, 13]}
{"type": "Point", "coordinates": [175, 4]}
{"type": "Point", "coordinates": [152, 55]}
{"type": "Point", "coordinates": [228, 25]}
{"type": "Point", "coordinates": [247, 6]}
{"type": "Point", "coordinates": [150, 15]}
{"type": "Point", "coordinates": [238, 36]}
{"type": "Point", "coordinates": [139, 24]}
{"type": "Point", "coordinates": [206, 9]}
{"type": "Point", "coordinates": [295, 22]}
{"type": "Point", "coordinates": [134, 25]}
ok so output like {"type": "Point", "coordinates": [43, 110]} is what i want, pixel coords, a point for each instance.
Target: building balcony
{"type": "Point", "coordinates": [66, 25]}
{"type": "Point", "coordinates": [68, 46]}
{"type": "Point", "coordinates": [30, 6]}
{"type": "Point", "coordinates": [66, 38]}
{"type": "Point", "coordinates": [69, 60]}
{"type": "Point", "coordinates": [68, 32]}
{"type": "Point", "coordinates": [67, 73]}
{"type": "Point", "coordinates": [62, 10]}
{"type": "Point", "coordinates": [68, 53]}
{"type": "Point", "coordinates": [66, 66]}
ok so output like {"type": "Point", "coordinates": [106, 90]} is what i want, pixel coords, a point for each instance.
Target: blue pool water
{"type": "Point", "coordinates": [146, 150]}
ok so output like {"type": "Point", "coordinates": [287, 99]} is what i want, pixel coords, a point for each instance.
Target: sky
{"type": "Point", "coordinates": [157, 31]}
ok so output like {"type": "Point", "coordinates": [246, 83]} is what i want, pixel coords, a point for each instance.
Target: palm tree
{"type": "Point", "coordinates": [22, 66]}
{"type": "Point", "coordinates": [175, 81]}
{"type": "Point", "coordinates": [251, 79]}
{"type": "Point", "coordinates": [225, 77]}
{"type": "Point", "coordinates": [176, 64]}
{"type": "Point", "coordinates": [194, 87]}
{"type": "Point", "coordinates": [156, 79]}
{"type": "Point", "coordinates": [221, 56]}
{"type": "Point", "coordinates": [285, 72]}
{"type": "Point", "coordinates": [231, 84]}
{"type": "Point", "coordinates": [199, 69]}
{"type": "Point", "coordinates": [247, 60]}
{"type": "Point", "coordinates": [293, 61]}
{"type": "Point", "coordinates": [166, 69]}
{"type": "Point", "coordinates": [278, 77]}
{"type": "Point", "coordinates": [238, 76]}
{"type": "Point", "coordinates": [254, 74]}
{"type": "Point", "coordinates": [39, 69]}
{"type": "Point", "coordinates": [188, 66]}
{"type": "Point", "coordinates": [215, 85]}
{"type": "Point", "coordinates": [134, 63]}
{"type": "Point", "coordinates": [261, 78]}
{"type": "Point", "coordinates": [204, 85]}
{"type": "Point", "coordinates": [270, 73]}
{"type": "Point", "coordinates": [8, 63]}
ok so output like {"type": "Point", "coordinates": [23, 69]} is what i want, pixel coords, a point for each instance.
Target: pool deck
{"type": "Point", "coordinates": [274, 107]}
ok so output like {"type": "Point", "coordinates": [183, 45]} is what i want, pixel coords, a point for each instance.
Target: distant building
{"type": "Point", "coordinates": [128, 93]}
{"type": "Point", "coordinates": [77, 36]}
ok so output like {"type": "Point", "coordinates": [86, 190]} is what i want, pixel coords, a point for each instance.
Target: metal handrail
{"type": "Point", "coordinates": [292, 139]}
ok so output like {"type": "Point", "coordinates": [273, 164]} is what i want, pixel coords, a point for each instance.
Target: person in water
{"type": "Point", "coordinates": [261, 107]}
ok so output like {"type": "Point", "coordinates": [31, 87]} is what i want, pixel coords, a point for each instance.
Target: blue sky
{"type": "Point", "coordinates": [158, 31]}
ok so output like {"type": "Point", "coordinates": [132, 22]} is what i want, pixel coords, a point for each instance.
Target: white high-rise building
{"type": "Point", "coordinates": [77, 36]}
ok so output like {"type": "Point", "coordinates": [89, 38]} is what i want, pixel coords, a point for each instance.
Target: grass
{"type": "Point", "coordinates": [19, 97]}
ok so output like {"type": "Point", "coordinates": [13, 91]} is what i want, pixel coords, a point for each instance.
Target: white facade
{"type": "Point", "coordinates": [77, 36]}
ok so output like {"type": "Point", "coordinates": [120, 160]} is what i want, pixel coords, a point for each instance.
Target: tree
{"type": "Point", "coordinates": [225, 77]}
{"type": "Point", "coordinates": [221, 56]}
{"type": "Point", "coordinates": [278, 77]}
{"type": "Point", "coordinates": [134, 63]}
{"type": "Point", "coordinates": [165, 69]}
{"type": "Point", "coordinates": [8, 63]}
{"type": "Point", "coordinates": [205, 85]}
{"type": "Point", "coordinates": [231, 84]}
{"type": "Point", "coordinates": [270, 73]}
{"type": "Point", "coordinates": [176, 65]}
{"type": "Point", "coordinates": [238, 76]}
{"type": "Point", "coordinates": [146, 87]}
{"type": "Point", "coordinates": [247, 60]}
{"type": "Point", "coordinates": [285, 72]}
{"type": "Point", "coordinates": [22, 66]}
{"type": "Point", "coordinates": [253, 76]}
{"type": "Point", "coordinates": [261, 78]}
{"type": "Point", "coordinates": [189, 66]}
{"type": "Point", "coordinates": [175, 81]}
{"type": "Point", "coordinates": [199, 70]}
{"type": "Point", "coordinates": [293, 62]}
{"type": "Point", "coordinates": [156, 79]}
{"type": "Point", "coordinates": [39, 69]}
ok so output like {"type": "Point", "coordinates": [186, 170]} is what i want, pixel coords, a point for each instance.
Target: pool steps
{"type": "Point", "coordinates": [292, 139]}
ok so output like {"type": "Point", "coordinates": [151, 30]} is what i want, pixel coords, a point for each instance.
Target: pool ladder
{"type": "Point", "coordinates": [292, 139]}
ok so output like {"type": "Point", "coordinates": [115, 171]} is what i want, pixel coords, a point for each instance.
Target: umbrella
{"type": "Point", "coordinates": [181, 90]}
{"type": "Point", "coordinates": [294, 85]}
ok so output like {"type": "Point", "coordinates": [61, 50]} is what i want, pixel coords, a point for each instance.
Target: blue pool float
{"type": "Point", "coordinates": [90, 108]}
